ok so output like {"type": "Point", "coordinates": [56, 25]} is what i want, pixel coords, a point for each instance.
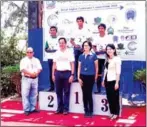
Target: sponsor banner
{"type": "Point", "coordinates": [125, 21]}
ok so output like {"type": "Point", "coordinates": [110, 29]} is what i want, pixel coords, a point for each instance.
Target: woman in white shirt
{"type": "Point", "coordinates": [111, 79]}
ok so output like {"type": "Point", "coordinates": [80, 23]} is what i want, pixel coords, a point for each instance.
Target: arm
{"type": "Point", "coordinates": [72, 72]}
{"type": "Point", "coordinates": [53, 71]}
{"type": "Point", "coordinates": [72, 67]}
{"type": "Point", "coordinates": [118, 72]}
{"type": "Point", "coordinates": [23, 66]}
{"type": "Point", "coordinates": [79, 69]}
{"type": "Point", "coordinates": [96, 69]}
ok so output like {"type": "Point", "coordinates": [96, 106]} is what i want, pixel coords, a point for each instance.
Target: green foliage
{"type": "Point", "coordinates": [8, 87]}
{"type": "Point", "coordinates": [140, 75]}
{"type": "Point", "coordinates": [10, 58]}
{"type": "Point", "coordinates": [10, 69]}
{"type": "Point", "coordinates": [10, 55]}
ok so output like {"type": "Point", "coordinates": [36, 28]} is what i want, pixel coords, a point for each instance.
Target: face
{"type": "Point", "coordinates": [62, 44]}
{"type": "Point", "coordinates": [110, 51]}
{"type": "Point", "coordinates": [30, 54]}
{"type": "Point", "coordinates": [53, 32]}
{"type": "Point", "coordinates": [101, 30]}
{"type": "Point", "coordinates": [86, 47]}
{"type": "Point", "coordinates": [80, 22]}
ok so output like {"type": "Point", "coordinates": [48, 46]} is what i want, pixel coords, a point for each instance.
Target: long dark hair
{"type": "Point", "coordinates": [112, 46]}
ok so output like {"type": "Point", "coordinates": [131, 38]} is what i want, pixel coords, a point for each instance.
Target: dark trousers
{"type": "Point", "coordinates": [113, 97]}
{"type": "Point", "coordinates": [99, 79]}
{"type": "Point", "coordinates": [62, 89]}
{"type": "Point", "coordinates": [50, 64]}
{"type": "Point", "coordinates": [77, 53]}
{"type": "Point", "coordinates": [88, 82]}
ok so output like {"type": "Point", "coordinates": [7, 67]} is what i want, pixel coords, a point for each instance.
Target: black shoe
{"type": "Point", "coordinates": [86, 114]}
{"type": "Point", "coordinates": [35, 111]}
{"type": "Point", "coordinates": [51, 90]}
{"type": "Point", "coordinates": [27, 113]}
{"type": "Point", "coordinates": [58, 112]}
{"type": "Point", "coordinates": [90, 114]}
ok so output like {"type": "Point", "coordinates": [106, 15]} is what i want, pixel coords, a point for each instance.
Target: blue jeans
{"type": "Point", "coordinates": [29, 92]}
{"type": "Point", "coordinates": [62, 89]}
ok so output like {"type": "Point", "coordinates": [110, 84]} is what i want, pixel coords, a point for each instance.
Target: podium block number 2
{"type": "Point", "coordinates": [51, 99]}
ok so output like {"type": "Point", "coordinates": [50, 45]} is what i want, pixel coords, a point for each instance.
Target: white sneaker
{"type": "Point", "coordinates": [114, 117]}
{"type": "Point", "coordinates": [111, 115]}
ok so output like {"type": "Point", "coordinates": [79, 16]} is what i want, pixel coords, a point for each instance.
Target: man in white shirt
{"type": "Point", "coordinates": [63, 72]}
{"type": "Point", "coordinates": [50, 47]}
{"type": "Point", "coordinates": [79, 35]}
{"type": "Point", "coordinates": [30, 68]}
{"type": "Point", "coordinates": [99, 42]}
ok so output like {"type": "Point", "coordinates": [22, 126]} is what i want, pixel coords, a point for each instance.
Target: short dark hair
{"type": "Point", "coordinates": [112, 46]}
{"type": "Point", "coordinates": [54, 27]}
{"type": "Point", "coordinates": [63, 39]}
{"type": "Point", "coordinates": [89, 43]}
{"type": "Point", "coordinates": [102, 25]}
{"type": "Point", "coordinates": [80, 18]}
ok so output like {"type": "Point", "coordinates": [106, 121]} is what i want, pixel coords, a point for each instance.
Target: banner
{"type": "Point", "coordinates": [125, 22]}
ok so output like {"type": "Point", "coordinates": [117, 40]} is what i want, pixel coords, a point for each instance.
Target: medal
{"type": "Point", "coordinates": [85, 69]}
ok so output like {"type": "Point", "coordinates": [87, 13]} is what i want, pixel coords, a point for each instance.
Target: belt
{"type": "Point", "coordinates": [30, 77]}
{"type": "Point", "coordinates": [64, 71]}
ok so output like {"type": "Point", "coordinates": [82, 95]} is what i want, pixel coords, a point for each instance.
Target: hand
{"type": "Point", "coordinates": [96, 78]}
{"type": "Point", "coordinates": [53, 78]}
{"type": "Point", "coordinates": [33, 75]}
{"type": "Point", "coordinates": [103, 84]}
{"type": "Point", "coordinates": [80, 81]}
{"type": "Point", "coordinates": [116, 86]}
{"type": "Point", "coordinates": [70, 79]}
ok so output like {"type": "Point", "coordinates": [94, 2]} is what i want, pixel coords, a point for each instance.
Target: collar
{"type": "Point", "coordinates": [90, 53]}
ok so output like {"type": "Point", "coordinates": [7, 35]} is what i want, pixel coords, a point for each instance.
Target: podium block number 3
{"type": "Point", "coordinates": [105, 105]}
{"type": "Point", "coordinates": [51, 99]}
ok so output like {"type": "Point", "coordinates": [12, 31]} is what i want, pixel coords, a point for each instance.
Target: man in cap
{"type": "Point", "coordinates": [30, 68]}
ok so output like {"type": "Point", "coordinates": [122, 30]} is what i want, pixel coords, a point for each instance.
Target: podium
{"type": "Point", "coordinates": [48, 101]}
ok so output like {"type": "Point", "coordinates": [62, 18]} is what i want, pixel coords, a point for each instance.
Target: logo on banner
{"type": "Point", "coordinates": [128, 37]}
{"type": "Point", "coordinates": [97, 20]}
{"type": "Point", "coordinates": [112, 19]}
{"type": "Point", "coordinates": [50, 4]}
{"type": "Point", "coordinates": [110, 30]}
{"type": "Point", "coordinates": [52, 20]}
{"type": "Point", "coordinates": [120, 46]}
{"type": "Point", "coordinates": [132, 46]}
{"type": "Point", "coordinates": [130, 14]}
{"type": "Point", "coordinates": [115, 38]}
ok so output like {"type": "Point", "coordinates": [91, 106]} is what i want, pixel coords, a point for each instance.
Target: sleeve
{"type": "Point", "coordinates": [71, 56]}
{"type": "Point", "coordinates": [39, 66]}
{"type": "Point", "coordinates": [46, 45]}
{"type": "Point", "coordinates": [80, 58]}
{"type": "Point", "coordinates": [55, 56]}
{"type": "Point", "coordinates": [95, 57]}
{"type": "Point", "coordinates": [22, 64]}
{"type": "Point", "coordinates": [118, 65]}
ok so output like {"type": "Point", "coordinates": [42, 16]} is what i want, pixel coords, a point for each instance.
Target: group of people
{"type": "Point", "coordinates": [91, 62]}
